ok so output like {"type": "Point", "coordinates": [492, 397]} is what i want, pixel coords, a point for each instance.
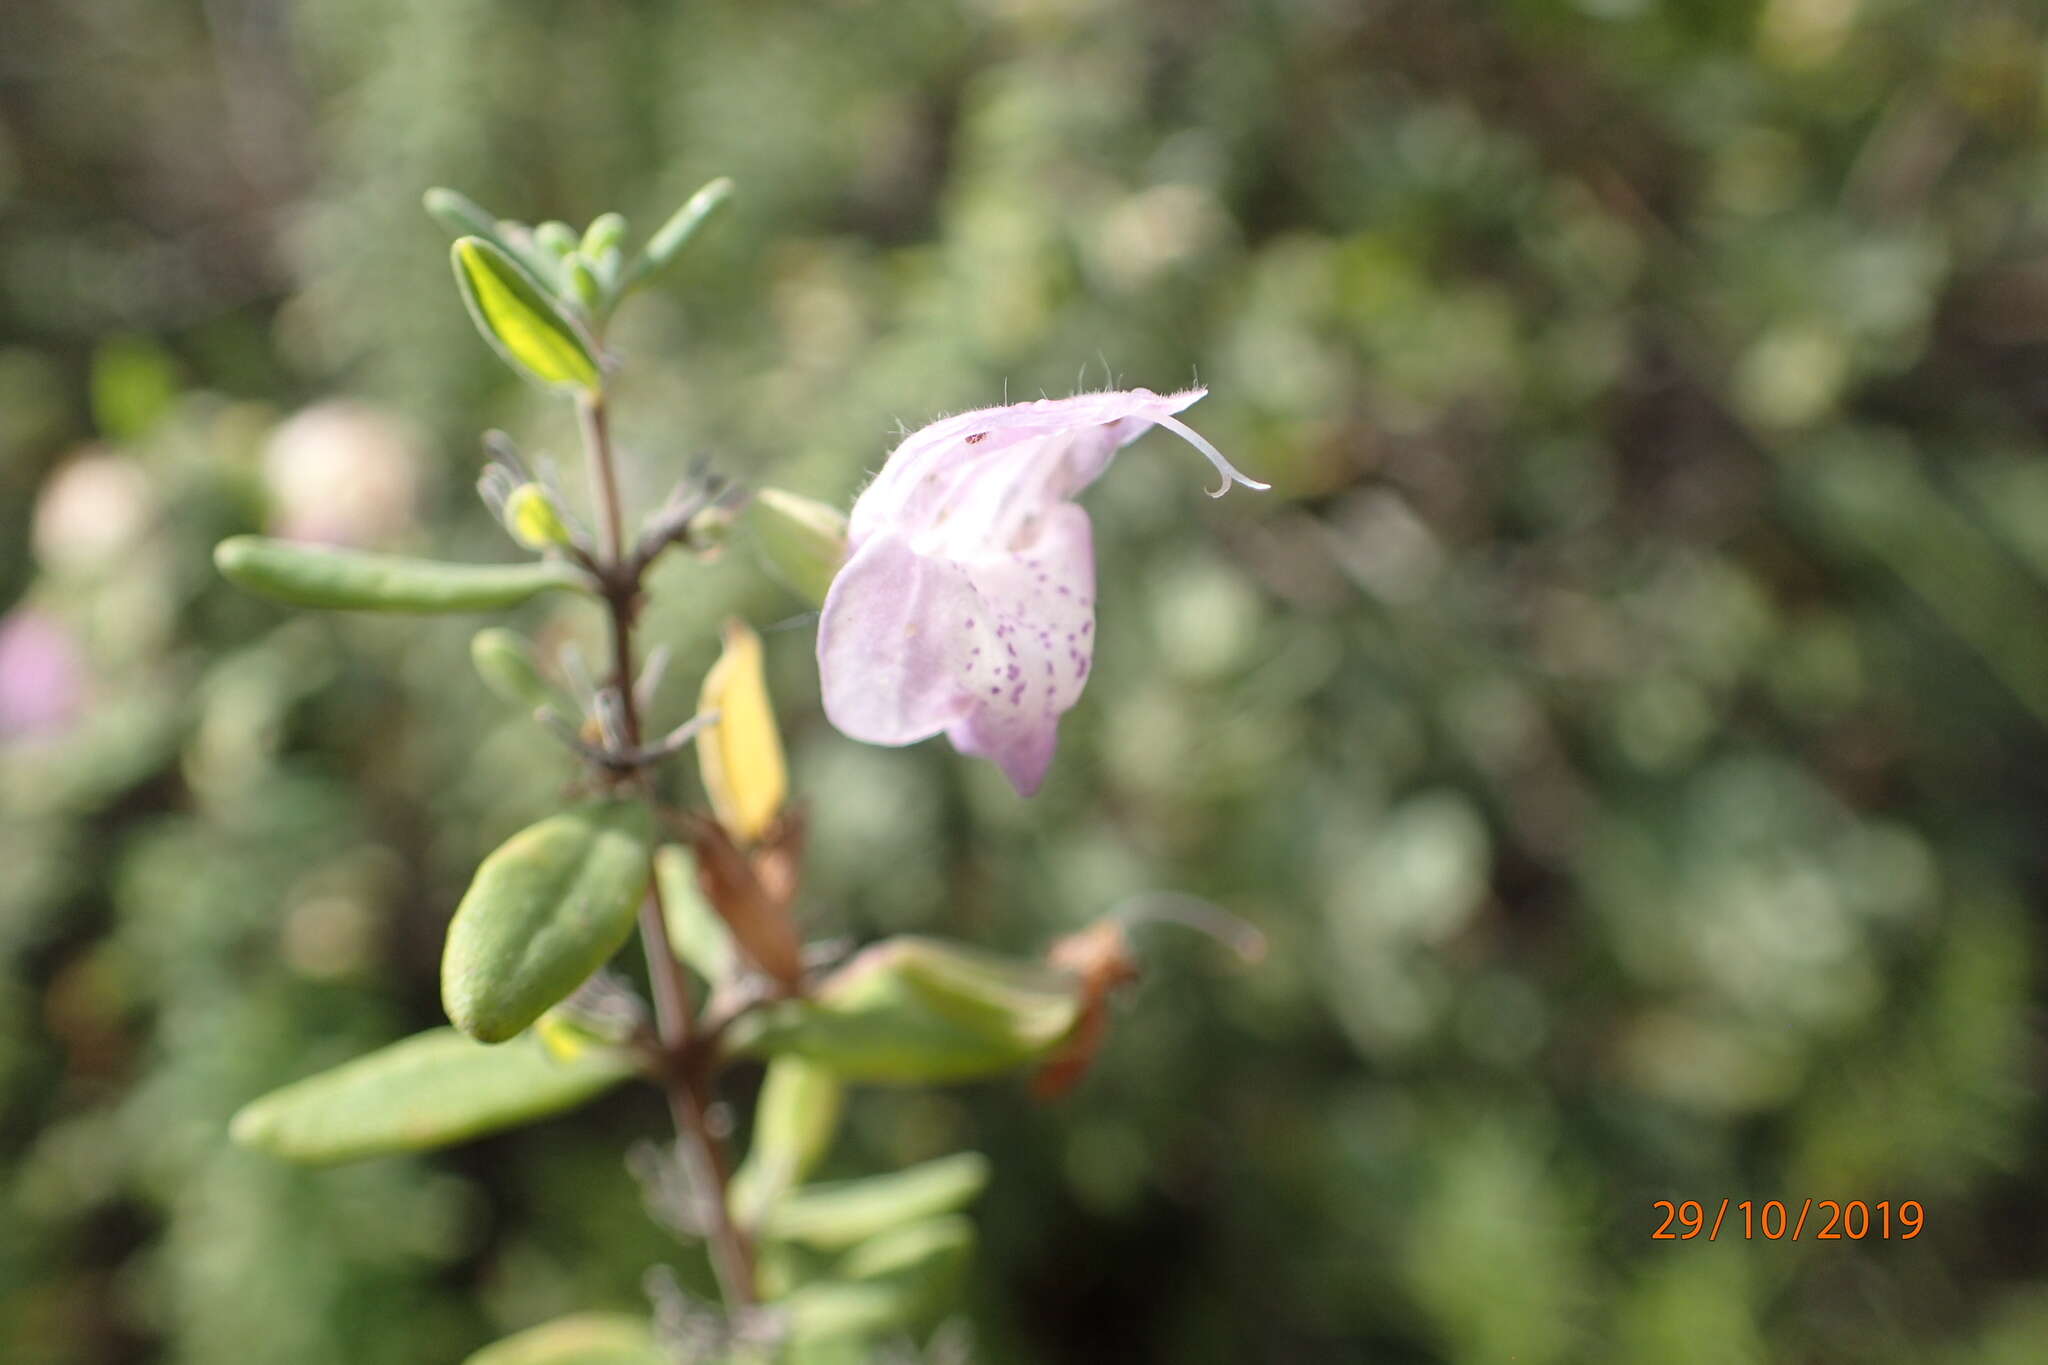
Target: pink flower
{"type": "Point", "coordinates": [967, 603]}
{"type": "Point", "coordinates": [42, 675]}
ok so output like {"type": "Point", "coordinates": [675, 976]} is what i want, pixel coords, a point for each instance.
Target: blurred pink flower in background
{"type": "Point", "coordinates": [42, 675]}
{"type": "Point", "coordinates": [967, 604]}
{"type": "Point", "coordinates": [343, 473]}
{"type": "Point", "coordinates": [91, 512]}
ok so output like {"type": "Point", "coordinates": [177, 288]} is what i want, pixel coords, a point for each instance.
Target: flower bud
{"type": "Point", "coordinates": [533, 520]}
{"type": "Point", "coordinates": [801, 540]}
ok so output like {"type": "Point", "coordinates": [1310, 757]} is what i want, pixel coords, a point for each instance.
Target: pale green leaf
{"type": "Point", "coordinates": [355, 580]}
{"type": "Point", "coordinates": [842, 1213]}
{"type": "Point", "coordinates": [916, 1011]}
{"type": "Point", "coordinates": [544, 911]}
{"type": "Point", "coordinates": [427, 1091]}
{"type": "Point", "coordinates": [696, 933]}
{"type": "Point", "coordinates": [579, 1339]}
{"type": "Point", "coordinates": [794, 1123]}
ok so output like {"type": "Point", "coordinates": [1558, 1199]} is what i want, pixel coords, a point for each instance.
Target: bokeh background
{"type": "Point", "coordinates": [1625, 716]}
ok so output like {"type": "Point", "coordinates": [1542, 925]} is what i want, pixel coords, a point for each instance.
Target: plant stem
{"type": "Point", "coordinates": [687, 1072]}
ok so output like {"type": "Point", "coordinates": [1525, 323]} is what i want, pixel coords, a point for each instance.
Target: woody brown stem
{"type": "Point", "coordinates": [685, 1072]}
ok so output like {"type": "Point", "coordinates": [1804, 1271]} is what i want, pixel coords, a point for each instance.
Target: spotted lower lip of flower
{"type": "Point", "coordinates": [967, 604]}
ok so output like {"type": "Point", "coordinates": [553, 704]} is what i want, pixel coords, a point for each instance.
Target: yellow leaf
{"type": "Point", "coordinates": [531, 517]}
{"type": "Point", "coordinates": [515, 314]}
{"type": "Point", "coordinates": [741, 756]}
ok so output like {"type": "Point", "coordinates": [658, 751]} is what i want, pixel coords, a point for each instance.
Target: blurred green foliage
{"type": "Point", "coordinates": [1625, 717]}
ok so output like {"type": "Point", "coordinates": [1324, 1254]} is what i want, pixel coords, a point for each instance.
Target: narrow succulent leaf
{"type": "Point", "coordinates": [917, 1011]}
{"type": "Point", "coordinates": [672, 236]}
{"type": "Point", "coordinates": [544, 912]}
{"type": "Point", "coordinates": [834, 1311]}
{"type": "Point", "coordinates": [356, 580]}
{"type": "Point", "coordinates": [794, 1123]}
{"type": "Point", "coordinates": [695, 931]}
{"type": "Point", "coordinates": [427, 1091]}
{"type": "Point", "coordinates": [843, 1213]}
{"type": "Point", "coordinates": [915, 1250]}
{"type": "Point", "coordinates": [517, 317]}
{"type": "Point", "coordinates": [579, 1339]}
{"type": "Point", "coordinates": [896, 1280]}
{"type": "Point", "coordinates": [460, 215]}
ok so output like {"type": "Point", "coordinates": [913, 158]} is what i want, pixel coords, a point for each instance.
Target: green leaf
{"type": "Point", "coordinates": [669, 240]}
{"type": "Point", "coordinates": [356, 580]}
{"type": "Point", "coordinates": [842, 1213]}
{"type": "Point", "coordinates": [801, 540]}
{"type": "Point", "coordinates": [604, 234]}
{"type": "Point", "coordinates": [430, 1090]}
{"type": "Point", "coordinates": [914, 1010]}
{"type": "Point", "coordinates": [579, 1339]}
{"type": "Point", "coordinates": [460, 215]}
{"type": "Point", "coordinates": [892, 1281]}
{"type": "Point", "coordinates": [517, 240]}
{"type": "Point", "coordinates": [584, 283]}
{"type": "Point", "coordinates": [558, 239]}
{"type": "Point", "coordinates": [794, 1122]}
{"type": "Point", "coordinates": [834, 1309]}
{"type": "Point", "coordinates": [695, 930]}
{"type": "Point", "coordinates": [544, 912]}
{"type": "Point", "coordinates": [533, 519]}
{"type": "Point", "coordinates": [506, 661]}
{"type": "Point", "coordinates": [517, 316]}
{"type": "Point", "coordinates": [134, 382]}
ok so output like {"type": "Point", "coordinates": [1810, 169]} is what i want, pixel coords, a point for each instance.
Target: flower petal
{"type": "Point", "coordinates": [991, 650]}
{"type": "Point", "coordinates": [925, 472]}
{"type": "Point", "coordinates": [887, 669]}
{"type": "Point", "coordinates": [968, 605]}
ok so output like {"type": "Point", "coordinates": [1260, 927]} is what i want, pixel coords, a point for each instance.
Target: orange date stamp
{"type": "Point", "coordinates": [1773, 1220]}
